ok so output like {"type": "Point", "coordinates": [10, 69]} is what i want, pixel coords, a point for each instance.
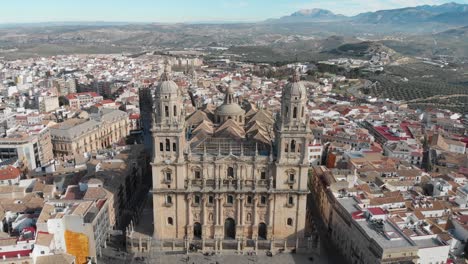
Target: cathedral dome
{"type": "Point", "coordinates": [295, 88]}
{"type": "Point", "coordinates": [167, 85]}
{"type": "Point", "coordinates": [229, 110]}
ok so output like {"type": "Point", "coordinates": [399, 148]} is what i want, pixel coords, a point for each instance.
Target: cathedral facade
{"type": "Point", "coordinates": [231, 172]}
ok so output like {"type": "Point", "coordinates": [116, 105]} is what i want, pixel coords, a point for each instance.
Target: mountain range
{"type": "Point", "coordinates": [449, 13]}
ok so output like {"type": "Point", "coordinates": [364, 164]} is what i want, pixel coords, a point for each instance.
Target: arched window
{"type": "Point", "coordinates": [161, 146]}
{"type": "Point", "coordinates": [263, 199]}
{"type": "Point", "coordinates": [169, 199]}
{"type": "Point", "coordinates": [290, 200]}
{"type": "Point", "coordinates": [230, 199]}
{"type": "Point", "coordinates": [230, 172]}
{"type": "Point", "coordinates": [170, 221]}
{"type": "Point", "coordinates": [174, 147]}
{"type": "Point", "coordinates": [175, 110]}
{"type": "Point", "coordinates": [293, 145]}
{"type": "Point", "coordinates": [168, 145]}
{"type": "Point", "coordinates": [166, 110]}
{"type": "Point", "coordinates": [290, 222]}
{"type": "Point", "coordinates": [249, 199]}
{"type": "Point", "coordinates": [295, 112]}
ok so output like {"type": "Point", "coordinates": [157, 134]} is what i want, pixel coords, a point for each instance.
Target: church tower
{"type": "Point", "coordinates": [293, 130]}
{"type": "Point", "coordinates": [168, 153]}
{"type": "Point", "coordinates": [293, 135]}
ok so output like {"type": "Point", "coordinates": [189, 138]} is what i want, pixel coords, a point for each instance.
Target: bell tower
{"type": "Point", "coordinates": [169, 120]}
{"type": "Point", "coordinates": [168, 156]}
{"type": "Point", "coordinates": [293, 131]}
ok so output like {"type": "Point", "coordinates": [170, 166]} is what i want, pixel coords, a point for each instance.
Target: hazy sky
{"type": "Point", "coordinates": [20, 11]}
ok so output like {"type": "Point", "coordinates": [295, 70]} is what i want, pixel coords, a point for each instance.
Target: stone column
{"type": "Point", "coordinates": [221, 213]}
{"type": "Point", "coordinates": [270, 210]}
{"type": "Point", "coordinates": [217, 209]}
{"type": "Point", "coordinates": [204, 210]}
{"type": "Point", "coordinates": [255, 216]}
{"type": "Point", "coordinates": [189, 207]}
{"type": "Point", "coordinates": [241, 209]}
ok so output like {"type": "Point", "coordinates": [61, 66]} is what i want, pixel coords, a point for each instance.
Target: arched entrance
{"type": "Point", "coordinates": [197, 231]}
{"type": "Point", "coordinates": [229, 229]}
{"type": "Point", "coordinates": [262, 231]}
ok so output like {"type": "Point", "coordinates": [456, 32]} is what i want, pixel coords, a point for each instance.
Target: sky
{"type": "Point", "coordinates": [170, 11]}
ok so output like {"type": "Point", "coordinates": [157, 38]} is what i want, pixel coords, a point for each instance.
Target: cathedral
{"type": "Point", "coordinates": [230, 174]}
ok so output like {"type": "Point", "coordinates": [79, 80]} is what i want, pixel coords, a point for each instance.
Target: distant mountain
{"type": "Point", "coordinates": [309, 15]}
{"type": "Point", "coordinates": [450, 13]}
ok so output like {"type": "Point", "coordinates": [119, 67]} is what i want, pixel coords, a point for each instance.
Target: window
{"type": "Point", "coordinates": [168, 145]}
{"type": "Point", "coordinates": [249, 199]}
{"type": "Point", "coordinates": [289, 221]}
{"type": "Point", "coordinates": [210, 199]}
{"type": "Point", "coordinates": [230, 199]}
{"type": "Point", "coordinates": [290, 200]}
{"type": "Point", "coordinates": [174, 147]}
{"type": "Point", "coordinates": [291, 177]}
{"type": "Point", "coordinates": [169, 199]}
{"type": "Point", "coordinates": [293, 145]}
{"type": "Point", "coordinates": [161, 146]}
{"type": "Point", "coordinates": [230, 172]}
{"type": "Point", "coordinates": [196, 199]}
{"type": "Point", "coordinates": [263, 175]}
{"type": "Point", "coordinates": [166, 110]}
{"type": "Point", "coordinates": [263, 200]}
{"type": "Point", "coordinates": [42, 252]}
{"type": "Point", "coordinates": [286, 147]}
{"type": "Point", "coordinates": [168, 176]}
{"type": "Point", "coordinates": [197, 174]}
{"type": "Point", "coordinates": [170, 221]}
{"type": "Point", "coordinates": [175, 110]}
{"type": "Point", "coordinates": [295, 112]}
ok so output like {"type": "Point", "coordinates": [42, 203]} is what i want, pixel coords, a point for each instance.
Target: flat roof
{"type": "Point", "coordinates": [387, 235]}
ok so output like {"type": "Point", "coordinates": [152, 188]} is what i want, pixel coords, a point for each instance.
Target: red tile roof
{"type": "Point", "coordinates": [9, 173]}
{"type": "Point", "coordinates": [376, 211]}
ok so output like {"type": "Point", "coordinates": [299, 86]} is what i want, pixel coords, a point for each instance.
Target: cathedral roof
{"type": "Point", "coordinates": [197, 117]}
{"type": "Point", "coordinates": [230, 128]}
